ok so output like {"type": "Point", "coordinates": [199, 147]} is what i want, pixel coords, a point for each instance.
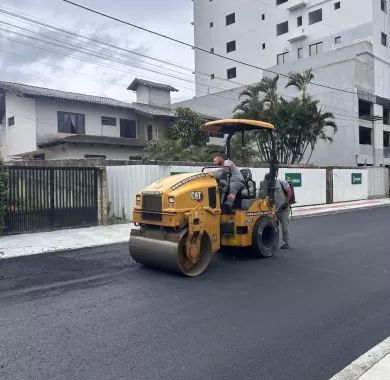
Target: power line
{"type": "Point", "coordinates": [62, 30]}
{"type": "Point", "coordinates": [195, 47]}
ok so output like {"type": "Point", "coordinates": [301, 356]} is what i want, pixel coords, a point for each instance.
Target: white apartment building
{"type": "Point", "coordinates": [345, 42]}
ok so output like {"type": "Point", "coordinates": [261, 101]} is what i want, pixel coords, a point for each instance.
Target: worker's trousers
{"type": "Point", "coordinates": [283, 216]}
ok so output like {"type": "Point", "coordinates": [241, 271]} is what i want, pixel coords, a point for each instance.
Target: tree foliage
{"type": "Point", "coordinates": [187, 128]}
{"type": "Point", "coordinates": [185, 140]}
{"type": "Point", "coordinates": [300, 122]}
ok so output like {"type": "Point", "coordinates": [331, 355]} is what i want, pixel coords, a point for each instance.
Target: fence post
{"type": "Point", "coordinates": [51, 186]}
{"type": "Point", "coordinates": [329, 185]}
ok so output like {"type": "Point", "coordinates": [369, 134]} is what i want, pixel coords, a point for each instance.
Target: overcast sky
{"type": "Point", "coordinates": [61, 65]}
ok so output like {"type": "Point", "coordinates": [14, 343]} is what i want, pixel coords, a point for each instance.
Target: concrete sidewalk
{"type": "Point", "coordinates": [45, 242]}
{"type": "Point", "coordinates": [373, 365]}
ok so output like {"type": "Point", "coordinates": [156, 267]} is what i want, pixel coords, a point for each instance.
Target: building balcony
{"type": "Point", "coordinates": [297, 35]}
{"type": "Point", "coordinates": [296, 5]}
{"type": "Point", "coordinates": [367, 150]}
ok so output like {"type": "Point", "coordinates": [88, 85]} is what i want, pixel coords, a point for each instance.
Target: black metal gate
{"type": "Point", "coordinates": [51, 198]}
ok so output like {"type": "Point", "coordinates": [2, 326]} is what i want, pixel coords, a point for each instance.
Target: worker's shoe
{"type": "Point", "coordinates": [285, 246]}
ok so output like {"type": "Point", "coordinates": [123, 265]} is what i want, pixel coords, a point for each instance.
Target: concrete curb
{"type": "Point", "coordinates": [365, 362]}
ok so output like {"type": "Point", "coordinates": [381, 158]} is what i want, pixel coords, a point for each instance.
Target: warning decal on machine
{"type": "Point", "coordinates": [256, 213]}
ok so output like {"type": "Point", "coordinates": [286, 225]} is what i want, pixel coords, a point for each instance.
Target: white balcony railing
{"type": "Point", "coordinates": [297, 35]}
{"type": "Point", "coordinates": [293, 5]}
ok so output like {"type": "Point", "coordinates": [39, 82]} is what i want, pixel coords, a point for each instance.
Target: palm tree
{"type": "Point", "coordinates": [301, 81]}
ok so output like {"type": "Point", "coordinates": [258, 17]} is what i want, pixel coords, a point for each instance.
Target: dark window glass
{"type": "Point", "coordinates": [364, 108]}
{"type": "Point", "coordinates": [230, 19]}
{"type": "Point", "coordinates": [384, 39]}
{"type": "Point", "coordinates": [384, 5]}
{"type": "Point", "coordinates": [40, 156]}
{"type": "Point", "coordinates": [337, 40]}
{"type": "Point", "coordinates": [230, 46]}
{"type": "Point", "coordinates": [95, 156]}
{"type": "Point", "coordinates": [365, 136]}
{"type": "Point", "coordinates": [315, 16]}
{"type": "Point", "coordinates": [211, 24]}
{"type": "Point", "coordinates": [278, 2]}
{"type": "Point", "coordinates": [299, 21]}
{"type": "Point", "coordinates": [263, 16]}
{"type": "Point", "coordinates": [11, 121]}
{"type": "Point", "coordinates": [212, 76]}
{"type": "Point", "coordinates": [109, 121]}
{"type": "Point", "coordinates": [300, 52]}
{"type": "Point", "coordinates": [149, 136]}
{"type": "Point", "coordinates": [386, 139]}
{"type": "Point", "coordinates": [128, 128]}
{"type": "Point", "coordinates": [71, 122]}
{"type": "Point", "coordinates": [212, 50]}
{"type": "Point", "coordinates": [231, 73]}
{"type": "Point", "coordinates": [337, 5]}
{"type": "Point", "coordinates": [315, 49]}
{"type": "Point", "coordinates": [263, 46]}
{"type": "Point", "coordinates": [282, 58]}
{"type": "Point", "coordinates": [386, 116]}
{"type": "Point", "coordinates": [282, 28]}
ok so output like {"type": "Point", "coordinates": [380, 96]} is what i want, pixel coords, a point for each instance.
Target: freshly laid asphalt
{"type": "Point", "coordinates": [303, 314]}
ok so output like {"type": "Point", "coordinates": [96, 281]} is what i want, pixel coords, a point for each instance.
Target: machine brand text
{"type": "Point", "coordinates": [184, 181]}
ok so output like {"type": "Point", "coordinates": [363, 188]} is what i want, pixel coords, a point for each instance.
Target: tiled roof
{"type": "Point", "coordinates": [95, 140]}
{"type": "Point", "coordinates": [153, 110]}
{"type": "Point", "coordinates": [144, 109]}
{"type": "Point", "coordinates": [141, 82]}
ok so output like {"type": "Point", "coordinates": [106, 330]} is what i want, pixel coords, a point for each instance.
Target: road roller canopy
{"type": "Point", "coordinates": [230, 126]}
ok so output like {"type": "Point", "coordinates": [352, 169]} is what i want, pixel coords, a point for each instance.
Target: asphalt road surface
{"type": "Point", "coordinates": [303, 314]}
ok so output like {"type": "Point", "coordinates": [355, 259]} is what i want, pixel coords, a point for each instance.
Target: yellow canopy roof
{"type": "Point", "coordinates": [235, 125]}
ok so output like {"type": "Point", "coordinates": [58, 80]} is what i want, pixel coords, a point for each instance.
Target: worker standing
{"type": "Point", "coordinates": [237, 182]}
{"type": "Point", "coordinates": [283, 195]}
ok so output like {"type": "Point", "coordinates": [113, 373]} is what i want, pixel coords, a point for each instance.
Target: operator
{"type": "Point", "coordinates": [283, 196]}
{"type": "Point", "coordinates": [237, 181]}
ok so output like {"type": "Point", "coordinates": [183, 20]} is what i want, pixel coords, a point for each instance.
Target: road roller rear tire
{"type": "Point", "coordinates": [265, 239]}
{"type": "Point", "coordinates": [167, 251]}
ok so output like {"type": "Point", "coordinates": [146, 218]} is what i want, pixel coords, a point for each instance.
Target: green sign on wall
{"type": "Point", "coordinates": [356, 179]}
{"type": "Point", "coordinates": [296, 178]}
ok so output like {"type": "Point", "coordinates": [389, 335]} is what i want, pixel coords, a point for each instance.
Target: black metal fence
{"type": "Point", "coordinates": [51, 198]}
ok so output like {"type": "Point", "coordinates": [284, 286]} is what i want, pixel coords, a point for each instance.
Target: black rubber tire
{"type": "Point", "coordinates": [265, 239]}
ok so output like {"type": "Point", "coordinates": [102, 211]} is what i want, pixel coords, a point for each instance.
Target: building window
{"type": "Point", "coordinates": [364, 109]}
{"type": "Point", "coordinates": [263, 46]}
{"type": "Point", "coordinates": [365, 136]}
{"type": "Point", "coordinates": [149, 133]}
{"type": "Point", "coordinates": [299, 21]}
{"type": "Point", "coordinates": [11, 121]}
{"type": "Point", "coordinates": [386, 116]}
{"type": "Point", "coordinates": [384, 39]}
{"type": "Point", "coordinates": [128, 128]}
{"type": "Point", "coordinates": [386, 139]}
{"type": "Point", "coordinates": [71, 122]}
{"type": "Point", "coordinates": [300, 53]}
{"type": "Point", "coordinates": [39, 156]}
{"type": "Point", "coordinates": [337, 40]}
{"type": "Point", "coordinates": [95, 156]}
{"type": "Point", "coordinates": [278, 2]}
{"type": "Point", "coordinates": [384, 5]}
{"type": "Point", "coordinates": [212, 76]}
{"type": "Point", "coordinates": [315, 49]}
{"type": "Point", "coordinates": [263, 16]}
{"type": "Point", "coordinates": [106, 120]}
{"type": "Point", "coordinates": [230, 46]}
{"type": "Point", "coordinates": [282, 28]}
{"type": "Point", "coordinates": [231, 73]}
{"type": "Point", "coordinates": [211, 24]}
{"type": "Point", "coordinates": [282, 58]}
{"type": "Point", "coordinates": [230, 19]}
{"type": "Point", "coordinates": [315, 16]}
{"type": "Point", "coordinates": [212, 50]}
{"type": "Point", "coordinates": [337, 5]}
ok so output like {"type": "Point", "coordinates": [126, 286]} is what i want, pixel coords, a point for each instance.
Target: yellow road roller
{"type": "Point", "coordinates": [182, 220]}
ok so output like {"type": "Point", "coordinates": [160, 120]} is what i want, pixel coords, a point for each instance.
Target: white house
{"type": "Point", "coordinates": [346, 42]}
{"type": "Point", "coordinates": [41, 123]}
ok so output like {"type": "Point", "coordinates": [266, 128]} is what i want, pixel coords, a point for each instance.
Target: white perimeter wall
{"type": "Point", "coordinates": [124, 182]}
{"type": "Point", "coordinates": [378, 182]}
{"type": "Point", "coordinates": [343, 190]}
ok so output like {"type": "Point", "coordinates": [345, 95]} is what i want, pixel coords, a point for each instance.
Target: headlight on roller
{"type": "Point", "coordinates": [171, 201]}
{"type": "Point", "coordinates": [138, 199]}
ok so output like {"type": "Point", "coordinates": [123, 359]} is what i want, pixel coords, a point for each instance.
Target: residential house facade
{"type": "Point", "coordinates": [41, 123]}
